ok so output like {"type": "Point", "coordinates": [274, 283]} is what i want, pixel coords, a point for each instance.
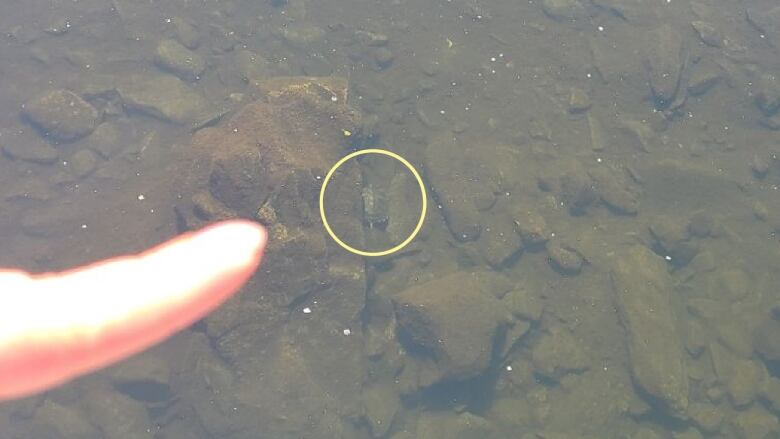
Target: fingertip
{"type": "Point", "coordinates": [240, 237]}
{"type": "Point", "coordinates": [248, 234]}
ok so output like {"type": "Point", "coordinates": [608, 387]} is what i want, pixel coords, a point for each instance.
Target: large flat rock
{"type": "Point", "coordinates": [642, 289]}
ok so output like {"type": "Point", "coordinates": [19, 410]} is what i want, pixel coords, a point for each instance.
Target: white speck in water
{"type": "Point", "coordinates": [141, 197]}
{"type": "Point", "coordinates": [307, 310]}
{"type": "Point", "coordinates": [347, 331]}
{"type": "Point", "coordinates": [509, 367]}
{"type": "Point", "coordinates": [83, 226]}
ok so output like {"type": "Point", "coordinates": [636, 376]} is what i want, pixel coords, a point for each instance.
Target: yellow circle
{"type": "Point", "coordinates": [422, 193]}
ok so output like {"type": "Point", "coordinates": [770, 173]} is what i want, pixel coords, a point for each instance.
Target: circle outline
{"type": "Point", "coordinates": [416, 175]}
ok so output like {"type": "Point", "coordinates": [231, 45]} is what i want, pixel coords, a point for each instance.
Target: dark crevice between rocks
{"type": "Point", "coordinates": [659, 414]}
{"type": "Point", "coordinates": [773, 367]}
{"type": "Point", "coordinates": [473, 395]}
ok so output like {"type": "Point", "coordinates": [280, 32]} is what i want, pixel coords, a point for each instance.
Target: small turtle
{"type": "Point", "coordinates": [374, 207]}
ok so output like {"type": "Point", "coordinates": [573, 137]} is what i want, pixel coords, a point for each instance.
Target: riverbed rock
{"type": "Point", "coordinates": [642, 289]}
{"type": "Point", "coordinates": [704, 77]}
{"type": "Point", "coordinates": [563, 10]}
{"type": "Point", "coordinates": [179, 60]}
{"type": "Point", "coordinates": [82, 163]}
{"type": "Point", "coordinates": [186, 32]}
{"type": "Point", "coordinates": [614, 191]}
{"type": "Point", "coordinates": [523, 304]}
{"type": "Point", "coordinates": [454, 319]}
{"type": "Point", "coordinates": [672, 239]}
{"type": "Point", "coordinates": [531, 226]}
{"type": "Point", "coordinates": [108, 139]}
{"type": "Point", "coordinates": [53, 419]}
{"type": "Point", "coordinates": [766, 340]}
{"type": "Point", "coordinates": [746, 382]}
{"type": "Point", "coordinates": [664, 64]}
{"type": "Point", "coordinates": [29, 148]}
{"type": "Point", "coordinates": [708, 33]}
{"type": "Point", "coordinates": [457, 195]}
{"type": "Point", "coordinates": [571, 184]}
{"type": "Point", "coordinates": [162, 96]}
{"type": "Point", "coordinates": [755, 422]}
{"type": "Point", "coordinates": [558, 354]}
{"type": "Point", "coordinates": [302, 35]}
{"type": "Point", "coordinates": [766, 19]}
{"type": "Point", "coordinates": [251, 66]}
{"type": "Point", "coordinates": [62, 115]}
{"type": "Point", "coordinates": [705, 416]}
{"type": "Point", "coordinates": [767, 94]}
{"type": "Point", "coordinates": [116, 415]}
{"type": "Point", "coordinates": [564, 258]}
{"type": "Point", "coordinates": [381, 403]}
{"type": "Point", "coordinates": [455, 426]}
{"type": "Point", "coordinates": [499, 243]}
{"type": "Point", "coordinates": [292, 341]}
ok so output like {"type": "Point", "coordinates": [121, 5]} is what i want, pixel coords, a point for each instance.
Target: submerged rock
{"type": "Point", "coordinates": [30, 149]}
{"type": "Point", "coordinates": [381, 403]}
{"type": "Point", "coordinates": [62, 115]}
{"type": "Point", "coordinates": [179, 60]}
{"type": "Point", "coordinates": [563, 10]}
{"type": "Point", "coordinates": [454, 426]}
{"type": "Point", "coordinates": [766, 20]}
{"type": "Point", "coordinates": [499, 242]}
{"type": "Point", "coordinates": [642, 289]}
{"type": "Point", "coordinates": [768, 94]}
{"type": "Point", "coordinates": [766, 339]}
{"type": "Point", "coordinates": [162, 96]}
{"type": "Point", "coordinates": [455, 319]}
{"type": "Point", "coordinates": [293, 340]}
{"type": "Point", "coordinates": [558, 354]}
{"type": "Point", "coordinates": [453, 191]}
{"type": "Point", "coordinates": [664, 64]}
{"type": "Point", "coordinates": [614, 191]}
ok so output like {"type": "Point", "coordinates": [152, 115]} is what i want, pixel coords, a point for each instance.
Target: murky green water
{"type": "Point", "coordinates": [599, 259]}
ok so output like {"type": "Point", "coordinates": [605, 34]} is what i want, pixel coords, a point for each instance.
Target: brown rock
{"type": "Point", "coordinates": [62, 115]}
{"type": "Point", "coordinates": [453, 318]}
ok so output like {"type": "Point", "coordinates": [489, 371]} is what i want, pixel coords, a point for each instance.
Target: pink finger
{"type": "Point", "coordinates": [55, 327]}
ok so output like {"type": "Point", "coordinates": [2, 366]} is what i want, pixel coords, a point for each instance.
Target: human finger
{"type": "Point", "coordinates": [54, 327]}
